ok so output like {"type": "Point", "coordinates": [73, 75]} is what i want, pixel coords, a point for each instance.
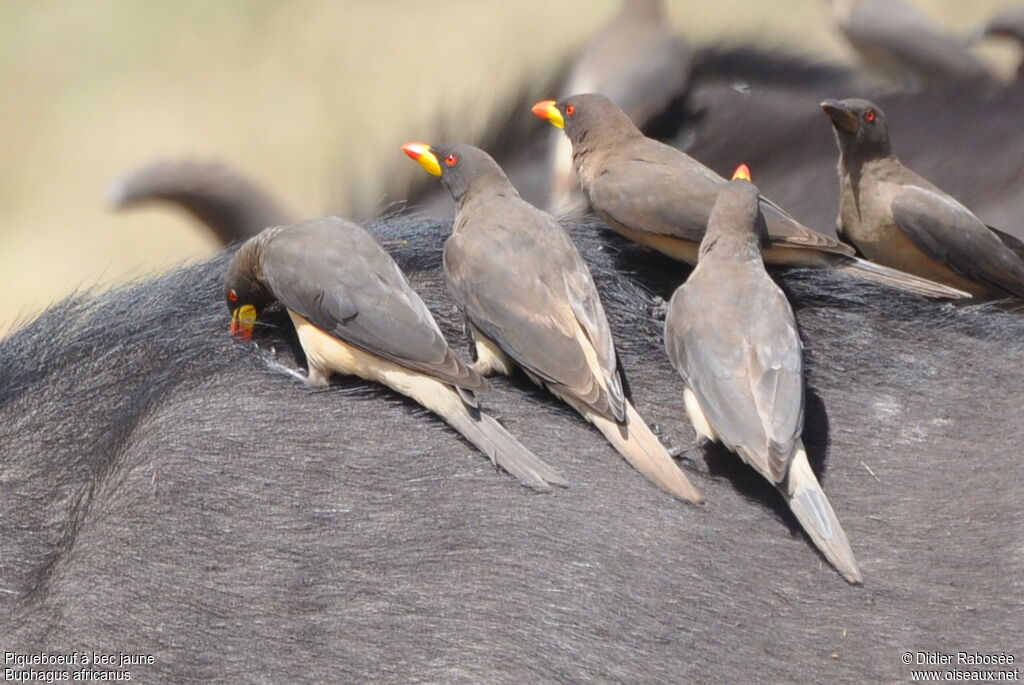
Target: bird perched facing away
{"type": "Point", "coordinates": [658, 196]}
{"type": "Point", "coordinates": [355, 314]}
{"type": "Point", "coordinates": [1008, 23]}
{"type": "Point", "coordinates": [530, 300]}
{"type": "Point", "coordinates": [897, 40]}
{"type": "Point", "coordinates": [637, 61]}
{"type": "Point", "coordinates": [228, 203]}
{"type": "Point", "coordinates": [731, 335]}
{"type": "Point", "coordinates": [897, 218]}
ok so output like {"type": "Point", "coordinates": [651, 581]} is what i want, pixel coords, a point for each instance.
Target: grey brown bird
{"type": "Point", "coordinates": [897, 40]}
{"type": "Point", "coordinates": [232, 206]}
{"type": "Point", "coordinates": [531, 301]}
{"type": "Point", "coordinates": [638, 62]}
{"type": "Point", "coordinates": [1008, 23]}
{"type": "Point", "coordinates": [731, 335]}
{"type": "Point", "coordinates": [356, 314]}
{"type": "Point", "coordinates": [896, 217]}
{"type": "Point", "coordinates": [658, 196]}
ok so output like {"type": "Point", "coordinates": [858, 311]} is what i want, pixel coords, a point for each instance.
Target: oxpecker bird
{"type": "Point", "coordinates": [731, 335]}
{"type": "Point", "coordinates": [897, 218]}
{"type": "Point", "coordinates": [658, 196]}
{"type": "Point", "coordinates": [356, 314]}
{"type": "Point", "coordinates": [638, 62]}
{"type": "Point", "coordinates": [897, 40]}
{"type": "Point", "coordinates": [530, 301]}
{"type": "Point", "coordinates": [1008, 23]}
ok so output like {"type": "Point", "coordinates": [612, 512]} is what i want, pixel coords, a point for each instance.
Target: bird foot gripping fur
{"type": "Point", "coordinates": [688, 454]}
{"type": "Point", "coordinates": [658, 309]}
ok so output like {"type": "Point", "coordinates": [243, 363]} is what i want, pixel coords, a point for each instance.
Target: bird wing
{"type": "Point", "coordinates": [784, 230]}
{"type": "Point", "coordinates": [334, 274]}
{"type": "Point", "coordinates": [655, 188]}
{"type": "Point", "coordinates": [1011, 241]}
{"type": "Point", "coordinates": [949, 233]}
{"type": "Point", "coordinates": [520, 280]}
{"type": "Point", "coordinates": [647, 189]}
{"type": "Point", "coordinates": [734, 341]}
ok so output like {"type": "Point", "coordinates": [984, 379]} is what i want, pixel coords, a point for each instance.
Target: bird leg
{"type": "Point", "coordinates": [318, 376]}
{"type": "Point", "coordinates": [489, 357]}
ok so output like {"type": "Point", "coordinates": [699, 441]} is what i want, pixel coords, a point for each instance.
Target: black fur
{"type": "Point", "coordinates": [166, 490]}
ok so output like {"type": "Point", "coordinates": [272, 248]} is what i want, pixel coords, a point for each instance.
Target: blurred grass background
{"type": "Point", "coordinates": [310, 97]}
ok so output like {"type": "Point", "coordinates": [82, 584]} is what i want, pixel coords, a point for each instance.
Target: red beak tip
{"type": "Point", "coordinates": [414, 150]}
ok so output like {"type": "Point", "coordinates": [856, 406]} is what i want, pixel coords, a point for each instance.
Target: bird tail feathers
{"type": "Point", "coordinates": [635, 441]}
{"type": "Point", "coordinates": [896, 278]}
{"type": "Point", "coordinates": [812, 508]}
{"type": "Point", "coordinates": [491, 438]}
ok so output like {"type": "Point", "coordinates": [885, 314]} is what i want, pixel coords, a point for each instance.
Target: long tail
{"type": "Point", "coordinates": [504, 450]}
{"type": "Point", "coordinates": [635, 441]}
{"type": "Point", "coordinates": [326, 354]}
{"type": "Point", "coordinates": [895, 278]}
{"type": "Point", "coordinates": [228, 203]}
{"type": "Point", "coordinates": [808, 501]}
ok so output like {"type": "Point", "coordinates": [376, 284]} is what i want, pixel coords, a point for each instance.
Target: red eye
{"type": "Point", "coordinates": [451, 160]}
{"type": "Point", "coordinates": [233, 296]}
{"type": "Point", "coordinates": [870, 116]}
{"type": "Point", "coordinates": [570, 109]}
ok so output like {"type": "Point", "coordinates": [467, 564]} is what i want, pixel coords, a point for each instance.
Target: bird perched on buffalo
{"type": "Point", "coordinates": [897, 40]}
{"type": "Point", "coordinates": [232, 206]}
{"type": "Point", "coordinates": [531, 301]}
{"type": "Point", "coordinates": [659, 196]}
{"type": "Point", "coordinates": [355, 313]}
{"type": "Point", "coordinates": [896, 217]}
{"type": "Point", "coordinates": [638, 61]}
{"type": "Point", "coordinates": [731, 334]}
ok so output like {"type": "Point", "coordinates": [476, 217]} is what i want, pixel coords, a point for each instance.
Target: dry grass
{"type": "Point", "coordinates": [309, 96]}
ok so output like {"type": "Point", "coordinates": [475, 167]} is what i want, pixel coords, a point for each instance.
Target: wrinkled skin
{"type": "Point", "coordinates": [165, 490]}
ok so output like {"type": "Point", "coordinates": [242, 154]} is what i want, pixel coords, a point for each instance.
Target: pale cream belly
{"type": "Point", "coordinates": [327, 354]}
{"type": "Point", "coordinates": [489, 357]}
{"type": "Point", "coordinates": [892, 248]}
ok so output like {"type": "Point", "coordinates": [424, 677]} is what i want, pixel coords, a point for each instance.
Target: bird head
{"type": "Point", "coordinates": [736, 227]}
{"type": "Point", "coordinates": [860, 126]}
{"type": "Point", "coordinates": [584, 115]}
{"type": "Point", "coordinates": [245, 294]}
{"type": "Point", "coordinates": [459, 166]}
